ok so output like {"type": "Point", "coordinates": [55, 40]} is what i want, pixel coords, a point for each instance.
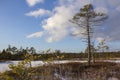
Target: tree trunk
{"type": "Point", "coordinates": [89, 42]}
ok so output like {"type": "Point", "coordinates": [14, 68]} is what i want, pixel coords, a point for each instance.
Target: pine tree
{"type": "Point", "coordinates": [86, 19]}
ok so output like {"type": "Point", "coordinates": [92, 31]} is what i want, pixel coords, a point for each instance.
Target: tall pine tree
{"type": "Point", "coordinates": [86, 19]}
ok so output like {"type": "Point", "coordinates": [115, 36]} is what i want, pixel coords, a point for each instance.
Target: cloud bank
{"type": "Point", "coordinates": [57, 25]}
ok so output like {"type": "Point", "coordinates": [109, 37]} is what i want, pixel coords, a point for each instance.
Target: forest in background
{"type": "Point", "coordinates": [13, 53]}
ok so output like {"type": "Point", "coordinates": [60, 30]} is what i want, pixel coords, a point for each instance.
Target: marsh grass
{"type": "Point", "coordinates": [70, 71]}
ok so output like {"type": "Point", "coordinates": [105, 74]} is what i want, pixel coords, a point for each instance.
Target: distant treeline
{"type": "Point", "coordinates": [13, 53]}
{"type": "Point", "coordinates": [4, 55]}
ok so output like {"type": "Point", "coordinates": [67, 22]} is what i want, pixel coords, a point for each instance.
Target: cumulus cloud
{"type": "Point", "coordinates": [40, 12]}
{"type": "Point", "coordinates": [35, 35]}
{"type": "Point", "coordinates": [34, 2]}
{"type": "Point", "coordinates": [57, 25]}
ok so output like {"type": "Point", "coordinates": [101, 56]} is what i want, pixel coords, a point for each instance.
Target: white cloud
{"type": "Point", "coordinates": [101, 10]}
{"type": "Point", "coordinates": [40, 12]}
{"type": "Point", "coordinates": [57, 25]}
{"type": "Point", "coordinates": [78, 32]}
{"type": "Point", "coordinates": [35, 35]}
{"type": "Point", "coordinates": [34, 2]}
{"type": "Point", "coordinates": [100, 39]}
{"type": "Point", "coordinates": [75, 2]}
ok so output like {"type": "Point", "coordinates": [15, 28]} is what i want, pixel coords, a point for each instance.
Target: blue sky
{"type": "Point", "coordinates": [44, 24]}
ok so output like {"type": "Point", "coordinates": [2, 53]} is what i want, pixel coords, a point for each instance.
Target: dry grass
{"type": "Point", "coordinates": [76, 71]}
{"type": "Point", "coordinates": [97, 71]}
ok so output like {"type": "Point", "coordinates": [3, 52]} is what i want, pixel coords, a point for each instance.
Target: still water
{"type": "Point", "coordinates": [4, 65]}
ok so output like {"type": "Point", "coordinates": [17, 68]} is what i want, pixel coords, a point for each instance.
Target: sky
{"type": "Point", "coordinates": [45, 24]}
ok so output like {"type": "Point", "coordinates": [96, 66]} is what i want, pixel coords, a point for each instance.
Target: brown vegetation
{"type": "Point", "coordinates": [73, 71]}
